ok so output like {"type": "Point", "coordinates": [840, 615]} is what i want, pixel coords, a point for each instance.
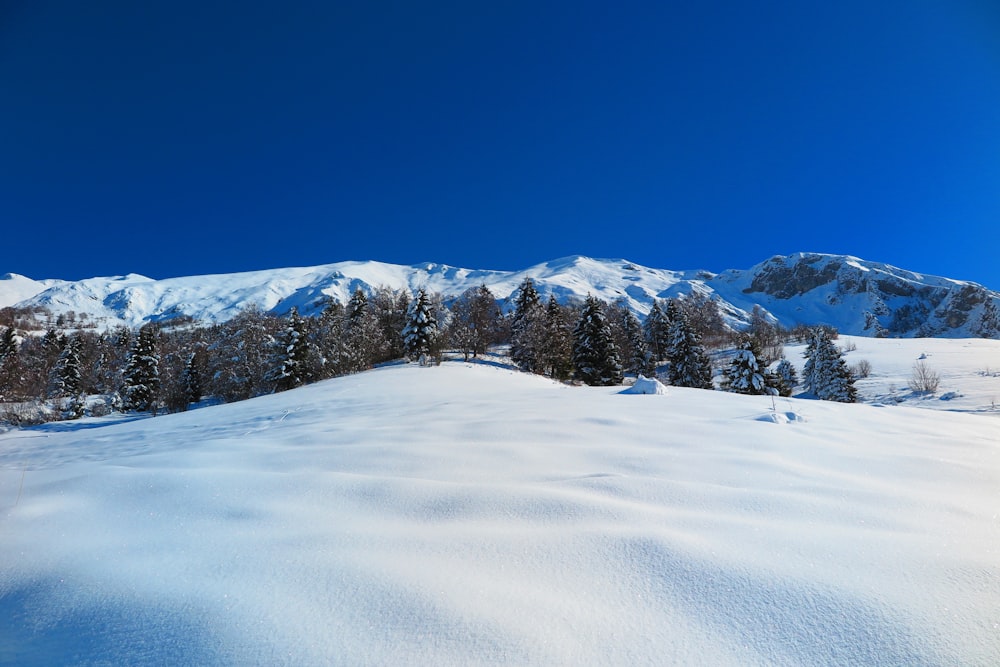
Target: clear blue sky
{"type": "Point", "coordinates": [180, 138]}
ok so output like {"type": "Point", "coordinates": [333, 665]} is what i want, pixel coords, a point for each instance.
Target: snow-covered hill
{"type": "Point", "coordinates": [465, 514]}
{"type": "Point", "coordinates": [858, 297]}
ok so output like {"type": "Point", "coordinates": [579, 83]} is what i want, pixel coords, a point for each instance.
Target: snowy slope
{"type": "Point", "coordinates": [858, 297]}
{"type": "Point", "coordinates": [15, 288]}
{"type": "Point", "coordinates": [467, 515]}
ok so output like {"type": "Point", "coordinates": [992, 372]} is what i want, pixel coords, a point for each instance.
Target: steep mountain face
{"type": "Point", "coordinates": [863, 298]}
{"type": "Point", "coordinates": [856, 296]}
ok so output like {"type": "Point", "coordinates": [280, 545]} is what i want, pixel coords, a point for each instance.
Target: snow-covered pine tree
{"type": "Point", "coordinates": [9, 358]}
{"type": "Point", "coordinates": [67, 374]}
{"type": "Point", "coordinates": [527, 324]}
{"type": "Point", "coordinates": [689, 364]}
{"type": "Point", "coordinates": [293, 355]}
{"type": "Point", "coordinates": [421, 329]}
{"type": "Point", "coordinates": [744, 375]}
{"type": "Point", "coordinates": [142, 373]}
{"type": "Point", "coordinates": [357, 304]}
{"type": "Point", "coordinates": [594, 355]}
{"type": "Point", "coordinates": [657, 330]}
{"type": "Point", "coordinates": [634, 352]}
{"type": "Point", "coordinates": [785, 377]}
{"type": "Point", "coordinates": [829, 377]}
{"type": "Point", "coordinates": [556, 354]}
{"type": "Point", "coordinates": [8, 343]}
{"type": "Point", "coordinates": [193, 387]}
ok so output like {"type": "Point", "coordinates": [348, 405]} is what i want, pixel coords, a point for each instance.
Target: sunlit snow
{"type": "Point", "coordinates": [467, 514]}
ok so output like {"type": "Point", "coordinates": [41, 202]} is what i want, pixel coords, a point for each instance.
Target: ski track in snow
{"type": "Point", "coordinates": [471, 515]}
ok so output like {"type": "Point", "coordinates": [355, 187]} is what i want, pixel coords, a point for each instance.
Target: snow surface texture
{"type": "Point", "coordinates": [853, 295]}
{"type": "Point", "coordinates": [465, 514]}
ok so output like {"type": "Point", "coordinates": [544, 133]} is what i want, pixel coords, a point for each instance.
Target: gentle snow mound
{"type": "Point", "coordinates": [781, 417]}
{"type": "Point", "coordinates": [645, 385]}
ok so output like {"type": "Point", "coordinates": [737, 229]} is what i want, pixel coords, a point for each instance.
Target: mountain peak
{"type": "Point", "coordinates": [856, 296]}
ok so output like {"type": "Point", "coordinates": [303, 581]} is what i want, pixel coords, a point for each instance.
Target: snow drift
{"type": "Point", "coordinates": [470, 515]}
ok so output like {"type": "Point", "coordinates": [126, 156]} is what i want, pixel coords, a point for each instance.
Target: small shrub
{"type": "Point", "coordinates": [924, 380]}
{"type": "Point", "coordinates": [862, 369]}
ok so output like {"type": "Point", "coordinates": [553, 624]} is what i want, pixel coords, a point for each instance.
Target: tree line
{"type": "Point", "coordinates": [168, 367]}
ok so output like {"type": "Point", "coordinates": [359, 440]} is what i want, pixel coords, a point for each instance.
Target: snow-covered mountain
{"type": "Point", "coordinates": [857, 296]}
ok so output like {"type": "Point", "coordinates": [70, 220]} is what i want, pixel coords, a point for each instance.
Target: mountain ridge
{"type": "Point", "coordinates": [857, 296]}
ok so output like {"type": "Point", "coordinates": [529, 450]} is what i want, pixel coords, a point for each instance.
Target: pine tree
{"type": "Point", "coordinates": [193, 387]}
{"type": "Point", "coordinates": [9, 362]}
{"type": "Point", "coordinates": [785, 377]}
{"type": "Point", "coordinates": [421, 329]}
{"type": "Point", "coordinates": [744, 375]}
{"type": "Point", "coordinates": [293, 355]}
{"type": "Point", "coordinates": [527, 326]}
{"type": "Point", "coordinates": [357, 305]}
{"type": "Point", "coordinates": [826, 372]}
{"type": "Point", "coordinates": [689, 364]}
{"type": "Point", "coordinates": [67, 374]}
{"type": "Point", "coordinates": [635, 353]}
{"type": "Point", "coordinates": [656, 328]}
{"type": "Point", "coordinates": [8, 343]}
{"type": "Point", "coordinates": [594, 355]}
{"type": "Point", "coordinates": [555, 357]}
{"type": "Point", "coordinates": [142, 372]}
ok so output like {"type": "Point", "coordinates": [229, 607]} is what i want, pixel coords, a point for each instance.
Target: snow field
{"type": "Point", "coordinates": [471, 515]}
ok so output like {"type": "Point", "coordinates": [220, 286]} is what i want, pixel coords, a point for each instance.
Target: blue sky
{"type": "Point", "coordinates": [183, 138]}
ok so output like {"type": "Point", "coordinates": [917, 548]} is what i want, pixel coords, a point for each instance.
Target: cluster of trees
{"type": "Point", "coordinates": [596, 343]}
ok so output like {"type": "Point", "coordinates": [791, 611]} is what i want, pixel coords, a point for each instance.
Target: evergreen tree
{"type": "Point", "coordinates": [8, 343]}
{"type": "Point", "coordinates": [594, 355]}
{"type": "Point", "coordinates": [785, 377]}
{"type": "Point", "coordinates": [9, 363]}
{"type": "Point", "coordinates": [357, 305]}
{"type": "Point", "coordinates": [193, 386]}
{"type": "Point", "coordinates": [556, 354]}
{"type": "Point", "coordinates": [142, 372]}
{"type": "Point", "coordinates": [657, 328]}
{"type": "Point", "coordinates": [744, 375]}
{"type": "Point", "coordinates": [527, 324]}
{"type": "Point", "coordinates": [634, 352]}
{"type": "Point", "coordinates": [293, 355]}
{"type": "Point", "coordinates": [67, 374]}
{"type": "Point", "coordinates": [689, 364]}
{"type": "Point", "coordinates": [421, 329]}
{"type": "Point", "coordinates": [826, 372]}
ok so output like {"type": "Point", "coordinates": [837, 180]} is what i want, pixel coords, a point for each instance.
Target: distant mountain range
{"type": "Point", "coordinates": [857, 296]}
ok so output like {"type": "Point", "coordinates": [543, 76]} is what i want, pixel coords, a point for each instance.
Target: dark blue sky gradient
{"type": "Point", "coordinates": [181, 138]}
